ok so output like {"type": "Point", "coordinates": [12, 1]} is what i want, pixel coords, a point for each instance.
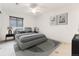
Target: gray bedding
{"type": "Point", "coordinates": [22, 34]}
{"type": "Point", "coordinates": [27, 40]}
{"type": "Point", "coordinates": [30, 37]}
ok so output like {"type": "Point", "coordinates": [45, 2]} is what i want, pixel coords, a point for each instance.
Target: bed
{"type": "Point", "coordinates": [33, 44]}
{"type": "Point", "coordinates": [27, 38]}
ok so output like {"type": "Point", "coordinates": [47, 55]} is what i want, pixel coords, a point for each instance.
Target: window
{"type": "Point", "coordinates": [16, 21]}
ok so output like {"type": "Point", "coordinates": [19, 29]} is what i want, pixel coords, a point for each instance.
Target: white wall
{"type": "Point", "coordinates": [63, 33]}
{"type": "Point", "coordinates": [0, 23]}
{"type": "Point", "coordinates": [4, 21]}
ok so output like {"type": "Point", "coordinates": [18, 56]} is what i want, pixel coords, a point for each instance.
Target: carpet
{"type": "Point", "coordinates": [44, 49]}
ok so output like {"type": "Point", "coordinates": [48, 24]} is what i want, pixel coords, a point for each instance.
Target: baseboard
{"type": "Point", "coordinates": [2, 41]}
{"type": "Point", "coordinates": [69, 42]}
{"type": "Point", "coordinates": [5, 41]}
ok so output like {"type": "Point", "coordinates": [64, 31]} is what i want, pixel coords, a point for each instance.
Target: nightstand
{"type": "Point", "coordinates": [9, 36]}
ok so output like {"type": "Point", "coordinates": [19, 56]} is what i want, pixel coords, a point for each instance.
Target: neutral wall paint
{"type": "Point", "coordinates": [63, 33]}
{"type": "Point", "coordinates": [4, 21]}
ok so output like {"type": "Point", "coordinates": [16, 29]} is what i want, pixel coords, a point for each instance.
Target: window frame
{"type": "Point", "coordinates": [17, 18]}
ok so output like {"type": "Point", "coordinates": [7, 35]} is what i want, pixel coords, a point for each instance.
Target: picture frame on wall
{"type": "Point", "coordinates": [62, 19]}
{"type": "Point", "coordinates": [53, 20]}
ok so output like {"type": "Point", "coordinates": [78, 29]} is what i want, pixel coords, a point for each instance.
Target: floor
{"type": "Point", "coordinates": [63, 50]}
{"type": "Point", "coordinates": [7, 49]}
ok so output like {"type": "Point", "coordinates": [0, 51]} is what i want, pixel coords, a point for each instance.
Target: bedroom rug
{"type": "Point", "coordinates": [44, 49]}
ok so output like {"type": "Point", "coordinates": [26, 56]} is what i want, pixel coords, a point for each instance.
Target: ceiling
{"type": "Point", "coordinates": [24, 7]}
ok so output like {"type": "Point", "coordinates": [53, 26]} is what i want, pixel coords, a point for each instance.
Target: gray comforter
{"type": "Point", "coordinates": [30, 37]}
{"type": "Point", "coordinates": [27, 40]}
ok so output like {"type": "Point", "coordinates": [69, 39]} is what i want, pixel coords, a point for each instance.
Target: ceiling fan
{"type": "Point", "coordinates": [34, 7]}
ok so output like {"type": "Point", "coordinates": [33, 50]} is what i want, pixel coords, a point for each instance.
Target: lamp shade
{"type": "Point", "coordinates": [9, 28]}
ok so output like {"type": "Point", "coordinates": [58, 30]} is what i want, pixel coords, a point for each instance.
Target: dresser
{"type": "Point", "coordinates": [75, 45]}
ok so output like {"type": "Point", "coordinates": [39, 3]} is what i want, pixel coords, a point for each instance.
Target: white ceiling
{"type": "Point", "coordinates": [24, 8]}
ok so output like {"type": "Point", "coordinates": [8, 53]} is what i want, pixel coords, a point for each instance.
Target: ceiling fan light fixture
{"type": "Point", "coordinates": [33, 7]}
{"type": "Point", "coordinates": [35, 10]}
